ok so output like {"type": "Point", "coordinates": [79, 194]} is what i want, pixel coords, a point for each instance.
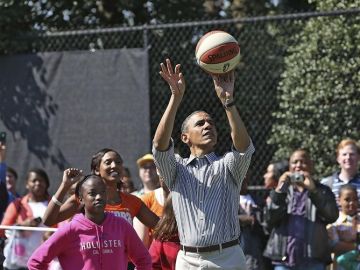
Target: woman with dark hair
{"type": "Point", "coordinates": [108, 164]}
{"type": "Point", "coordinates": [28, 211]}
{"type": "Point", "coordinates": [273, 172]}
{"type": "Point", "coordinates": [166, 243]}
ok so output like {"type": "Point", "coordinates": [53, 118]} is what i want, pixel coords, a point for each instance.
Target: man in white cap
{"type": "Point", "coordinates": [147, 173]}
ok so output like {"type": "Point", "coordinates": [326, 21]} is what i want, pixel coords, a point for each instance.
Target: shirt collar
{"type": "Point", "coordinates": [211, 157]}
{"type": "Point", "coordinates": [337, 178]}
{"type": "Point", "coordinates": [343, 217]}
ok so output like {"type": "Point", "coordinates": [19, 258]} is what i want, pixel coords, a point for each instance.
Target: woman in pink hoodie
{"type": "Point", "coordinates": [94, 239]}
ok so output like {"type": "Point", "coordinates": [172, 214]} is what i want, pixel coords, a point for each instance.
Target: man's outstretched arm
{"type": "Point", "coordinates": [176, 82]}
{"type": "Point", "coordinates": [224, 87]}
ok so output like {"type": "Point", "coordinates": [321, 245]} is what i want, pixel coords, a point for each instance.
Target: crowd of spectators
{"type": "Point", "coordinates": [190, 212]}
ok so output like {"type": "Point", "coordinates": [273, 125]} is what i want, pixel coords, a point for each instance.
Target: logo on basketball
{"type": "Point", "coordinates": [226, 67]}
{"type": "Point", "coordinates": [217, 52]}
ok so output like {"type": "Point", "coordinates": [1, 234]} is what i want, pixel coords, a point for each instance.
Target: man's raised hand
{"type": "Point", "coordinates": [224, 86]}
{"type": "Point", "coordinates": [174, 78]}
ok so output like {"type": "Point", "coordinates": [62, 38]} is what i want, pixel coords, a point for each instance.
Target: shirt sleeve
{"type": "Point", "coordinates": [134, 203]}
{"type": "Point", "coordinates": [166, 163]}
{"type": "Point", "coordinates": [50, 249]}
{"type": "Point", "coordinates": [238, 163]}
{"type": "Point", "coordinates": [147, 199]}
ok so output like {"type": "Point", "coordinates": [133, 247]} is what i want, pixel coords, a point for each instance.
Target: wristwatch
{"type": "Point", "coordinates": [228, 105]}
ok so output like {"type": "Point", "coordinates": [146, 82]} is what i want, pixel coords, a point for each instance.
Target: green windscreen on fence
{"type": "Point", "coordinates": [59, 108]}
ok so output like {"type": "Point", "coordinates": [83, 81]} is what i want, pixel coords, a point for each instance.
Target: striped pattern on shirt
{"type": "Point", "coordinates": [205, 193]}
{"type": "Point", "coordinates": [334, 182]}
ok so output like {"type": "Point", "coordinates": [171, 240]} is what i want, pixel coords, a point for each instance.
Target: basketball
{"type": "Point", "coordinates": [217, 52]}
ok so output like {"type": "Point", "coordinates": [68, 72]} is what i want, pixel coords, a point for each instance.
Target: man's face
{"type": "Point", "coordinates": [348, 158]}
{"type": "Point", "coordinates": [147, 172]}
{"type": "Point", "coordinates": [200, 131]}
{"type": "Point", "coordinates": [36, 184]}
{"type": "Point", "coordinates": [299, 162]}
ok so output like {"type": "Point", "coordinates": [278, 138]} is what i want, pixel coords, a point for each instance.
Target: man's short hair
{"type": "Point", "coordinates": [185, 123]}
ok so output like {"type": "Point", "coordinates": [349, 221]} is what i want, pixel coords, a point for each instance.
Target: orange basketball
{"type": "Point", "coordinates": [217, 52]}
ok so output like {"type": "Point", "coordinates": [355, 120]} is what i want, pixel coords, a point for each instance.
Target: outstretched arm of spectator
{"type": "Point", "coordinates": [224, 87]}
{"type": "Point", "coordinates": [2, 163]}
{"type": "Point", "coordinates": [176, 82]}
{"type": "Point", "coordinates": [142, 231]}
{"type": "Point", "coordinates": [147, 217]}
{"type": "Point", "coordinates": [3, 191]}
{"type": "Point", "coordinates": [57, 212]}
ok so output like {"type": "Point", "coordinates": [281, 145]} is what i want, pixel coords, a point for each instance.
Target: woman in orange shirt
{"type": "Point", "coordinates": [108, 164]}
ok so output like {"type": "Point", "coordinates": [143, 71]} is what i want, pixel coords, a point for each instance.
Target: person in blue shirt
{"type": "Point", "coordinates": [348, 158]}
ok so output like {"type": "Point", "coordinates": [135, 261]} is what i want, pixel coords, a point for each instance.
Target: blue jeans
{"type": "Point", "coordinates": [308, 266]}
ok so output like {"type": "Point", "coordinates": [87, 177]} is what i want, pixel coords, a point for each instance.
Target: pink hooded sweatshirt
{"type": "Point", "coordinates": [82, 244]}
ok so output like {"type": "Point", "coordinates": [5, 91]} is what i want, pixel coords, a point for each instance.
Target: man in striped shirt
{"type": "Point", "coordinates": [205, 188]}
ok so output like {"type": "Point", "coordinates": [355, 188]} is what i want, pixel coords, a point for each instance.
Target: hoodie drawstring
{"type": "Point", "coordinates": [100, 244]}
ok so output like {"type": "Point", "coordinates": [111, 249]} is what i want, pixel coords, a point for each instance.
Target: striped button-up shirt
{"type": "Point", "coordinates": [205, 194]}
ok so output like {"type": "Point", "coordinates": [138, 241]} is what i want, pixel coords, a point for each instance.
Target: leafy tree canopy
{"type": "Point", "coordinates": [318, 94]}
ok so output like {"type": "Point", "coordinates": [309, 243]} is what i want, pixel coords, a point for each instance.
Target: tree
{"type": "Point", "coordinates": [16, 20]}
{"type": "Point", "coordinates": [318, 94]}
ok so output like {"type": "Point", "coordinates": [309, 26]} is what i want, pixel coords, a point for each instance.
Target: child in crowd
{"type": "Point", "coordinates": [343, 233]}
{"type": "Point", "coordinates": [93, 239]}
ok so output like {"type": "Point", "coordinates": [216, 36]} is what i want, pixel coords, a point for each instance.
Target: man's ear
{"type": "Point", "coordinates": [184, 138]}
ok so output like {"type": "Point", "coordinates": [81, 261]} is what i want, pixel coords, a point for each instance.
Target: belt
{"type": "Point", "coordinates": [210, 248]}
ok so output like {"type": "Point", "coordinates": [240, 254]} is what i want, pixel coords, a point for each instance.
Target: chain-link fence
{"type": "Point", "coordinates": [263, 41]}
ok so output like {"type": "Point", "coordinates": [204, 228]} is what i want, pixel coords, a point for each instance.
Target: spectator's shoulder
{"type": "Point", "coordinates": [328, 180]}
{"type": "Point", "coordinates": [324, 189]}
